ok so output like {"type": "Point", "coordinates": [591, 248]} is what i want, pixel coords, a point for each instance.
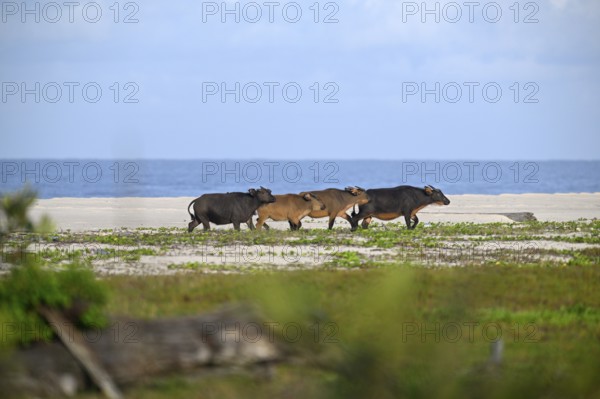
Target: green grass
{"type": "Point", "coordinates": [394, 327]}
{"type": "Point", "coordinates": [347, 259]}
{"type": "Point", "coordinates": [384, 236]}
{"type": "Point", "coordinates": [198, 266]}
{"type": "Point", "coordinates": [564, 316]}
{"type": "Point", "coordinates": [54, 256]}
{"type": "Point", "coordinates": [429, 244]}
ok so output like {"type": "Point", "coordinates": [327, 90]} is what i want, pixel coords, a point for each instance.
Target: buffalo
{"type": "Point", "coordinates": [390, 203]}
{"type": "Point", "coordinates": [228, 208]}
{"type": "Point", "coordinates": [337, 202]}
{"type": "Point", "coordinates": [290, 207]}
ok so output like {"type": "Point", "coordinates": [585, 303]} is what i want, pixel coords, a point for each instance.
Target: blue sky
{"type": "Point", "coordinates": [371, 66]}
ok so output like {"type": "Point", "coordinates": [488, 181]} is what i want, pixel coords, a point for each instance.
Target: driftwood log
{"type": "Point", "coordinates": [131, 350]}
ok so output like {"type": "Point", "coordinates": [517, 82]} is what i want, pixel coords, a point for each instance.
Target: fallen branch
{"type": "Point", "coordinates": [76, 345]}
{"type": "Point", "coordinates": [130, 351]}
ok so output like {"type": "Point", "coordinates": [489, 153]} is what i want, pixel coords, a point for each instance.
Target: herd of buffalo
{"type": "Point", "coordinates": [380, 203]}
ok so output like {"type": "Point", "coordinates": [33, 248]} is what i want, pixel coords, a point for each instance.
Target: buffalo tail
{"type": "Point", "coordinates": [191, 214]}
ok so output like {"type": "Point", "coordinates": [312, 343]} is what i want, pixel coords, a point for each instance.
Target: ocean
{"type": "Point", "coordinates": [177, 178]}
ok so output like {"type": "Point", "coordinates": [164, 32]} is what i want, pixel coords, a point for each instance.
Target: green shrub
{"type": "Point", "coordinates": [13, 214]}
{"type": "Point", "coordinates": [74, 290]}
{"type": "Point", "coordinates": [348, 259]}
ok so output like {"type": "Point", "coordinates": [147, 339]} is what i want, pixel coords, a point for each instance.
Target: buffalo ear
{"type": "Point", "coordinates": [252, 192]}
{"type": "Point", "coordinates": [428, 190]}
{"type": "Point", "coordinates": [352, 190]}
{"type": "Point", "coordinates": [307, 197]}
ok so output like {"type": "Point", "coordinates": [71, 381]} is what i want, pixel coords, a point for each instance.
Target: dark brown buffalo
{"type": "Point", "coordinates": [228, 208]}
{"type": "Point", "coordinates": [290, 207]}
{"type": "Point", "coordinates": [390, 203]}
{"type": "Point", "coordinates": [337, 202]}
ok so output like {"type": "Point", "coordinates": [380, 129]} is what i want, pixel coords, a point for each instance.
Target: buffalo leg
{"type": "Point", "coordinates": [331, 221]}
{"type": "Point", "coordinates": [348, 218]}
{"type": "Point", "coordinates": [205, 222]}
{"type": "Point", "coordinates": [415, 221]}
{"type": "Point", "coordinates": [366, 221]}
{"type": "Point", "coordinates": [236, 226]}
{"type": "Point", "coordinates": [250, 224]}
{"type": "Point", "coordinates": [295, 224]}
{"type": "Point", "coordinates": [266, 226]}
{"type": "Point", "coordinates": [408, 221]}
{"type": "Point", "coordinates": [260, 222]}
{"type": "Point", "coordinates": [192, 225]}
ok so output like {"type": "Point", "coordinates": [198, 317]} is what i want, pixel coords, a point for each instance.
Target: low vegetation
{"type": "Point", "coordinates": [398, 330]}
{"type": "Point", "coordinates": [439, 244]}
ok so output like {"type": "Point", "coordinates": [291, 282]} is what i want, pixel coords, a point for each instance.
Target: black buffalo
{"type": "Point", "coordinates": [228, 208]}
{"type": "Point", "coordinates": [390, 203]}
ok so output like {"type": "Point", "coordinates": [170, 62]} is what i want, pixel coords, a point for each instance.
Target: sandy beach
{"type": "Point", "coordinates": [83, 214]}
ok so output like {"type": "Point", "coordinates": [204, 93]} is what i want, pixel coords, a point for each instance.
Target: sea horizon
{"type": "Point", "coordinates": [93, 177]}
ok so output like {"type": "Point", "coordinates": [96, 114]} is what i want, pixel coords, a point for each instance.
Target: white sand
{"type": "Point", "coordinates": [79, 214]}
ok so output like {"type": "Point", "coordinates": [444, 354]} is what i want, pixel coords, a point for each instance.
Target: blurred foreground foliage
{"type": "Point", "coordinates": [14, 217]}
{"type": "Point", "coordinates": [396, 332]}
{"type": "Point", "coordinates": [72, 289]}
